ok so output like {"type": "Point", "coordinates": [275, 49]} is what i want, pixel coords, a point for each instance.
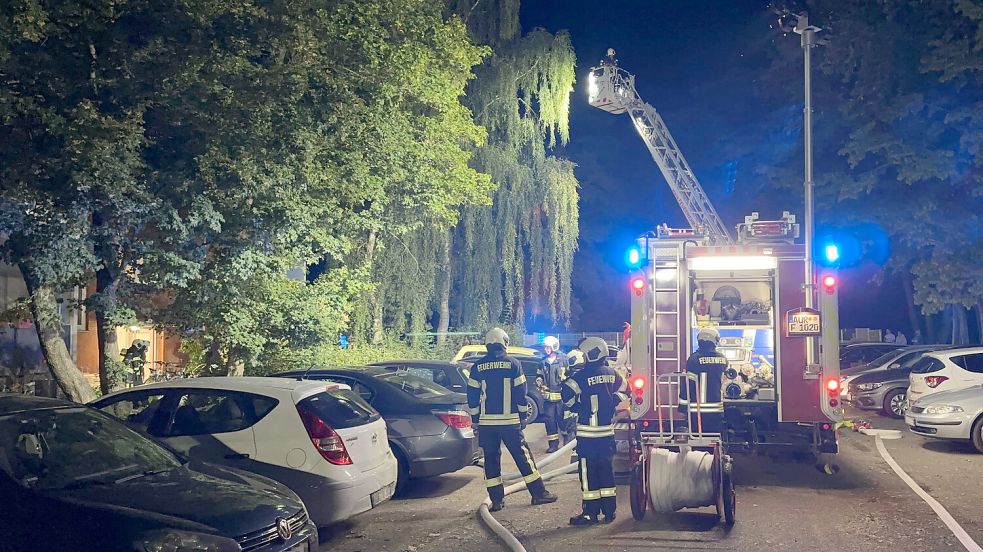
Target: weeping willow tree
{"type": "Point", "coordinates": [510, 258]}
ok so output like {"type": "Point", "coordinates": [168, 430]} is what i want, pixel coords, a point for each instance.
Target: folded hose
{"type": "Point", "coordinates": [680, 480]}
{"type": "Point", "coordinates": [501, 532]}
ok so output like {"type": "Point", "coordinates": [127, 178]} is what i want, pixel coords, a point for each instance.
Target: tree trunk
{"type": "Point", "coordinates": [960, 330]}
{"type": "Point", "coordinates": [375, 302]}
{"type": "Point", "coordinates": [979, 322]}
{"type": "Point", "coordinates": [914, 319]}
{"type": "Point", "coordinates": [444, 321]}
{"type": "Point", "coordinates": [107, 286]}
{"type": "Point", "coordinates": [44, 308]}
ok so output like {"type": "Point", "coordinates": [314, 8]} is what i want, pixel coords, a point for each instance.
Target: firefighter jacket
{"type": "Point", "coordinates": [553, 373]}
{"type": "Point", "coordinates": [497, 390]}
{"type": "Point", "coordinates": [594, 394]}
{"type": "Point", "coordinates": [708, 365]}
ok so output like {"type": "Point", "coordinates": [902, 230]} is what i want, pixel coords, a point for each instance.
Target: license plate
{"type": "Point", "coordinates": [302, 547]}
{"type": "Point", "coordinates": [382, 494]}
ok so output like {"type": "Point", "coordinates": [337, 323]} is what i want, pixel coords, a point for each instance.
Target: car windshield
{"type": "Point", "coordinates": [412, 385]}
{"type": "Point", "coordinates": [68, 448]}
{"type": "Point", "coordinates": [882, 360]}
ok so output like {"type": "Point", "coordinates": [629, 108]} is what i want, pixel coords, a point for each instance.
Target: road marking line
{"type": "Point", "coordinates": [940, 510]}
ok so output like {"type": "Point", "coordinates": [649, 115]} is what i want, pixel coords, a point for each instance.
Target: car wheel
{"type": "Point", "coordinates": [978, 434]}
{"type": "Point", "coordinates": [533, 409]}
{"type": "Point", "coordinates": [402, 471]}
{"type": "Point", "coordinates": [896, 403]}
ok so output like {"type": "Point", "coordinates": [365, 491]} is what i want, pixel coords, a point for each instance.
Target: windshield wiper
{"type": "Point", "coordinates": [85, 483]}
{"type": "Point", "coordinates": [147, 473]}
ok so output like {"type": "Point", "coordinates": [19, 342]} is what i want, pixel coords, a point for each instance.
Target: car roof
{"type": "Point", "coordinates": [225, 383]}
{"type": "Point", "coordinates": [366, 370]}
{"type": "Point", "coordinates": [416, 362]}
{"type": "Point", "coordinates": [18, 402]}
{"type": "Point", "coordinates": [872, 344]}
{"type": "Point", "coordinates": [956, 351]}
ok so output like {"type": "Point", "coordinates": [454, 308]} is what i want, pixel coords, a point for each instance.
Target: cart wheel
{"type": "Point", "coordinates": [730, 495]}
{"type": "Point", "coordinates": [639, 494]}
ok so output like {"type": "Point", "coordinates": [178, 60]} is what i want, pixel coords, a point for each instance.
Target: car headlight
{"type": "Point", "coordinates": [943, 409]}
{"type": "Point", "coordinates": [869, 386]}
{"type": "Point", "coordinates": [174, 540]}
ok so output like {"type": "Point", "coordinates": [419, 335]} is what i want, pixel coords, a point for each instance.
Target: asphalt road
{"type": "Point", "coordinates": [865, 507]}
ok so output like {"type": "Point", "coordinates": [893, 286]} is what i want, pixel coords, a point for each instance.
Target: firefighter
{"type": "Point", "coordinates": [497, 402]}
{"type": "Point", "coordinates": [575, 362]}
{"type": "Point", "coordinates": [709, 366]}
{"type": "Point", "coordinates": [594, 393]}
{"type": "Point", "coordinates": [552, 374]}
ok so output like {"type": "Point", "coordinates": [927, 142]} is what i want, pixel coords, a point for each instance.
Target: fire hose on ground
{"type": "Point", "coordinates": [501, 532]}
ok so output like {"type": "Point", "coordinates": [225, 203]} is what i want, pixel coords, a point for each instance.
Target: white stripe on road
{"type": "Point", "coordinates": [943, 514]}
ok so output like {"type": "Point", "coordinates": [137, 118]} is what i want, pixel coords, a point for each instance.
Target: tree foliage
{"type": "Point", "coordinates": [898, 144]}
{"type": "Point", "coordinates": [191, 151]}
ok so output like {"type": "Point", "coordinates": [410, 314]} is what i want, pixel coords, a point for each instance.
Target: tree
{"type": "Point", "coordinates": [901, 136]}
{"type": "Point", "coordinates": [163, 144]}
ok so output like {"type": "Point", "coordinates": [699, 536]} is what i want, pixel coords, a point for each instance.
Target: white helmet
{"type": "Point", "coordinates": [552, 342]}
{"type": "Point", "coordinates": [497, 336]}
{"type": "Point", "coordinates": [595, 349]}
{"type": "Point", "coordinates": [575, 357]}
{"type": "Point", "coordinates": [709, 334]}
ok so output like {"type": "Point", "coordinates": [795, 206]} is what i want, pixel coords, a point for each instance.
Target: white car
{"type": "Point", "coordinates": [950, 415]}
{"type": "Point", "coordinates": [324, 442]}
{"type": "Point", "coordinates": [948, 370]}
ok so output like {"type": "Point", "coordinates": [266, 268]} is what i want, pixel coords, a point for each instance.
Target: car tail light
{"type": "Point", "coordinates": [456, 419]}
{"type": "Point", "coordinates": [934, 381]}
{"type": "Point", "coordinates": [326, 440]}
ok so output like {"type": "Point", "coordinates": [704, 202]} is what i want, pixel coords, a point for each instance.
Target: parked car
{"type": "Point", "coordinates": [429, 427]}
{"type": "Point", "coordinates": [950, 415]}
{"type": "Point", "coordinates": [530, 367]}
{"type": "Point", "coordinates": [472, 352]}
{"type": "Point", "coordinates": [882, 384]}
{"type": "Point", "coordinates": [948, 370]}
{"type": "Point", "coordinates": [77, 479]}
{"type": "Point", "coordinates": [324, 443]}
{"type": "Point", "coordinates": [449, 375]}
{"type": "Point", "coordinates": [858, 354]}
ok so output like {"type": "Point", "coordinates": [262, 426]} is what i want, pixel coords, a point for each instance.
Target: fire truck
{"type": "Point", "coordinates": [781, 386]}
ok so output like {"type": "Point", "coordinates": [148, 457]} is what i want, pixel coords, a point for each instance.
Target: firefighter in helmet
{"type": "Point", "coordinates": [575, 363]}
{"type": "Point", "coordinates": [709, 365]}
{"type": "Point", "coordinates": [593, 394]}
{"type": "Point", "coordinates": [552, 374]}
{"type": "Point", "coordinates": [497, 402]}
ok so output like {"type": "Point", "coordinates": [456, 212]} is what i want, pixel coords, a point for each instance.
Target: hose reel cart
{"type": "Point", "coordinates": [675, 463]}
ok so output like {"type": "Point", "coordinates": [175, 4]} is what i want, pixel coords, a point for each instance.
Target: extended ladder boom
{"type": "Point", "coordinates": [613, 90]}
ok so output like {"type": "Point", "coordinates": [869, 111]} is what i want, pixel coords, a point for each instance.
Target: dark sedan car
{"type": "Point", "coordinates": [74, 478]}
{"type": "Point", "coordinates": [429, 426]}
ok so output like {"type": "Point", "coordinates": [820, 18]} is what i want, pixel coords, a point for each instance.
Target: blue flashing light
{"type": "Point", "coordinates": [832, 252]}
{"type": "Point", "coordinates": [634, 257]}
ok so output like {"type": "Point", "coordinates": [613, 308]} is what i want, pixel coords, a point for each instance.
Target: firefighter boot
{"type": "Point", "coordinates": [496, 505]}
{"type": "Point", "coordinates": [553, 447]}
{"type": "Point", "coordinates": [545, 497]}
{"type": "Point", "coordinates": [584, 518]}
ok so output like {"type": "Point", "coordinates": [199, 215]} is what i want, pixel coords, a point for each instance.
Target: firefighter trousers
{"type": "Point", "coordinates": [553, 412]}
{"type": "Point", "coordinates": [490, 439]}
{"type": "Point", "coordinates": [597, 475]}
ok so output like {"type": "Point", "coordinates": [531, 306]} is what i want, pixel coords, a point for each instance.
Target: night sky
{"type": "Point", "coordinates": [706, 67]}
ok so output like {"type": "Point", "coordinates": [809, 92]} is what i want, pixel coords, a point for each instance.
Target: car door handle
{"type": "Point", "coordinates": [237, 456]}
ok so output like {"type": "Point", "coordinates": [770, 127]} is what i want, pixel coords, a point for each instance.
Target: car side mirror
{"type": "Point", "coordinates": [894, 366]}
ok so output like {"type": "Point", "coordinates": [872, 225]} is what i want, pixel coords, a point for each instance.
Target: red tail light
{"type": "Point", "coordinates": [456, 419]}
{"type": "Point", "coordinates": [637, 386]}
{"type": "Point", "coordinates": [934, 381]}
{"type": "Point", "coordinates": [833, 386]}
{"type": "Point", "coordinates": [326, 440]}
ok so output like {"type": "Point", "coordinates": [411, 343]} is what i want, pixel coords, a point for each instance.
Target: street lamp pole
{"type": "Point", "coordinates": [808, 34]}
